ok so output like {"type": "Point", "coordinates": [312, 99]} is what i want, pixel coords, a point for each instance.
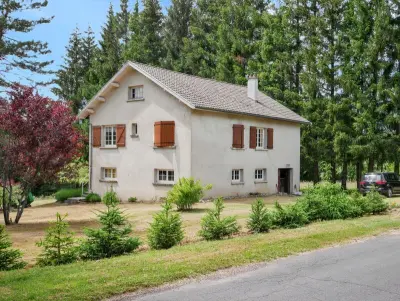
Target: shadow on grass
{"type": "Point", "coordinates": [194, 210]}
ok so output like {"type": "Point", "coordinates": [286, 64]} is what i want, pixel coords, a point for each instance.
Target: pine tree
{"type": "Point", "coordinates": [176, 29]}
{"type": "Point", "coordinates": [10, 259]}
{"type": "Point", "coordinates": [123, 22]}
{"type": "Point", "coordinates": [134, 34]}
{"type": "Point", "coordinates": [17, 54]}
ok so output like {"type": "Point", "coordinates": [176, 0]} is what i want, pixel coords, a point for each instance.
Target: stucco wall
{"type": "Point", "coordinates": [213, 157]}
{"type": "Point", "coordinates": [136, 162]}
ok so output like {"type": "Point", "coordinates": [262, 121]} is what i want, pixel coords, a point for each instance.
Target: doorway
{"type": "Point", "coordinates": [284, 179]}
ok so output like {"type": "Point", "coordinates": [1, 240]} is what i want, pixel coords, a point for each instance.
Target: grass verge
{"type": "Point", "coordinates": [101, 279]}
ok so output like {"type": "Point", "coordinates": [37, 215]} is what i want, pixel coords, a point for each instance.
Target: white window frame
{"type": "Point", "coordinates": [163, 176]}
{"type": "Point", "coordinates": [237, 176]}
{"type": "Point", "coordinates": [138, 92]}
{"type": "Point", "coordinates": [260, 139]}
{"type": "Point", "coordinates": [110, 142]}
{"type": "Point", "coordinates": [109, 174]}
{"type": "Point", "coordinates": [134, 129]}
{"type": "Point", "coordinates": [263, 175]}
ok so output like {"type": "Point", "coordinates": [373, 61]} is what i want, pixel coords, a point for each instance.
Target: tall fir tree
{"type": "Point", "coordinates": [123, 22]}
{"type": "Point", "coordinates": [176, 29]}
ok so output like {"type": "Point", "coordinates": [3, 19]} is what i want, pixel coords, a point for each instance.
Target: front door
{"type": "Point", "coordinates": [284, 180]}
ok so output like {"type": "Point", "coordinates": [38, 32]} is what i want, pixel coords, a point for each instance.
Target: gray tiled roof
{"type": "Point", "coordinates": [213, 95]}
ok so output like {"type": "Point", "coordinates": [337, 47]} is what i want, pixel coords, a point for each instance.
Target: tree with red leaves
{"type": "Point", "coordinates": [37, 138]}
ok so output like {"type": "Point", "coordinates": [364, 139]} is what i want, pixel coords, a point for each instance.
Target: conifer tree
{"type": "Point", "coordinates": [130, 51]}
{"type": "Point", "coordinates": [10, 259]}
{"type": "Point", "coordinates": [123, 22]}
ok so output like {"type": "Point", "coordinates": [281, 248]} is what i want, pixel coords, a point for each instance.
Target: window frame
{"type": "Point", "coordinates": [260, 137]}
{"type": "Point", "coordinates": [113, 141]}
{"type": "Point", "coordinates": [167, 174]}
{"type": "Point", "coordinates": [237, 172]}
{"type": "Point", "coordinates": [134, 88]}
{"type": "Point", "coordinates": [113, 174]}
{"type": "Point", "coordinates": [134, 129]}
{"type": "Point", "coordinates": [263, 175]}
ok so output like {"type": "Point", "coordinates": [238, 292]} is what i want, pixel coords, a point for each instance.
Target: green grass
{"type": "Point", "coordinates": [101, 279]}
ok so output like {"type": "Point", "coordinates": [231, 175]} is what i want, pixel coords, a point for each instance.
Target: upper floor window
{"type": "Point", "coordinates": [164, 134]}
{"type": "Point", "coordinates": [134, 131]}
{"type": "Point", "coordinates": [110, 136]}
{"type": "Point", "coordinates": [136, 92]}
{"type": "Point", "coordinates": [260, 138]}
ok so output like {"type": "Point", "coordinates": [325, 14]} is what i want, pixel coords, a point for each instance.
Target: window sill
{"type": "Point", "coordinates": [134, 136]}
{"type": "Point", "coordinates": [108, 181]}
{"type": "Point", "coordinates": [135, 100]}
{"type": "Point", "coordinates": [164, 184]}
{"type": "Point", "coordinates": [261, 149]}
{"type": "Point", "coordinates": [260, 182]}
{"type": "Point", "coordinates": [164, 147]}
{"type": "Point", "coordinates": [237, 183]}
{"type": "Point", "coordinates": [109, 147]}
{"type": "Point", "coordinates": [239, 149]}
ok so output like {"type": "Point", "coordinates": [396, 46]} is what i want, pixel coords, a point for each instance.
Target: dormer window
{"type": "Point", "coordinates": [136, 93]}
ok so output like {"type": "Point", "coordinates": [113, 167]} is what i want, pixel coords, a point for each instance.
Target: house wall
{"type": "Point", "coordinates": [213, 157]}
{"type": "Point", "coordinates": [136, 162]}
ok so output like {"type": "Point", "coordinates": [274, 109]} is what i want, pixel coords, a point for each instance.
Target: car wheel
{"type": "Point", "coordinates": [389, 193]}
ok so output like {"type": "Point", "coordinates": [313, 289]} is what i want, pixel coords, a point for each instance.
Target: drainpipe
{"type": "Point", "coordinates": [90, 156]}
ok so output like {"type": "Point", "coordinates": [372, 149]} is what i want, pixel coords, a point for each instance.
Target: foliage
{"type": "Point", "coordinates": [113, 236]}
{"type": "Point", "coordinates": [132, 200]}
{"type": "Point", "coordinates": [215, 227]}
{"type": "Point", "coordinates": [93, 198]}
{"type": "Point", "coordinates": [16, 195]}
{"type": "Point", "coordinates": [58, 245]}
{"type": "Point", "coordinates": [18, 55]}
{"type": "Point", "coordinates": [186, 193]}
{"type": "Point", "coordinates": [166, 229]}
{"type": "Point", "coordinates": [375, 203]}
{"type": "Point", "coordinates": [74, 173]}
{"type": "Point", "coordinates": [10, 259]}
{"type": "Point", "coordinates": [290, 216]}
{"type": "Point", "coordinates": [64, 194]}
{"type": "Point", "coordinates": [260, 219]}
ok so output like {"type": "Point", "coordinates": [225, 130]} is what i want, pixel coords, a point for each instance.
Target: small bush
{"type": "Point", "coordinates": [166, 229]}
{"type": "Point", "coordinates": [214, 227]}
{"type": "Point", "coordinates": [64, 194]}
{"type": "Point", "coordinates": [290, 216]}
{"type": "Point", "coordinates": [260, 219]}
{"type": "Point", "coordinates": [186, 193]}
{"type": "Point", "coordinates": [132, 200]}
{"type": "Point", "coordinates": [113, 237]}
{"type": "Point", "coordinates": [10, 259]}
{"type": "Point", "coordinates": [58, 245]}
{"type": "Point", "coordinates": [375, 203]}
{"type": "Point", "coordinates": [93, 198]}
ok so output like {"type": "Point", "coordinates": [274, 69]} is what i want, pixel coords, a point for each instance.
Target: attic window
{"type": "Point", "coordinates": [136, 93]}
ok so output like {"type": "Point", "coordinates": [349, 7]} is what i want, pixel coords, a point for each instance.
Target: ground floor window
{"type": "Point", "coordinates": [109, 174]}
{"type": "Point", "coordinates": [237, 175]}
{"type": "Point", "coordinates": [165, 176]}
{"type": "Point", "coordinates": [260, 174]}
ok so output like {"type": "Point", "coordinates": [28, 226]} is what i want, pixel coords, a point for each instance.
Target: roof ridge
{"type": "Point", "coordinates": [190, 75]}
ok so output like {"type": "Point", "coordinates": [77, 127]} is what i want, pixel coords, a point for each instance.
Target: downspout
{"type": "Point", "coordinates": [90, 155]}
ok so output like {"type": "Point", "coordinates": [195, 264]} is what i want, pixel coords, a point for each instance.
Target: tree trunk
{"type": "Point", "coordinates": [6, 211]}
{"type": "Point", "coordinates": [358, 173]}
{"type": "Point", "coordinates": [20, 210]}
{"type": "Point", "coordinates": [344, 173]}
{"type": "Point", "coordinates": [371, 164]}
{"type": "Point", "coordinates": [396, 166]}
{"type": "Point", "coordinates": [316, 173]}
{"type": "Point", "coordinates": [333, 170]}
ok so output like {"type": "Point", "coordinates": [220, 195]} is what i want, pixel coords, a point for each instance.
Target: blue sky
{"type": "Point", "coordinates": [67, 15]}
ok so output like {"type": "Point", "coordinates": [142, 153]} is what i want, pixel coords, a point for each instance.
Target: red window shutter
{"type": "Point", "coordinates": [164, 133]}
{"type": "Point", "coordinates": [96, 139]}
{"type": "Point", "coordinates": [253, 137]}
{"type": "Point", "coordinates": [238, 136]}
{"type": "Point", "coordinates": [270, 138]}
{"type": "Point", "coordinates": [121, 135]}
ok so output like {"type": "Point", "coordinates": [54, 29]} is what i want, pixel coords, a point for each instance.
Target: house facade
{"type": "Point", "coordinates": [151, 126]}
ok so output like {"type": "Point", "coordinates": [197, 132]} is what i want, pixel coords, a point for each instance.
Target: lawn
{"type": "Point", "coordinates": [35, 220]}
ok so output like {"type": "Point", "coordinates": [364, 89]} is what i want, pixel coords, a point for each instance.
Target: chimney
{"type": "Point", "coordinates": [252, 87]}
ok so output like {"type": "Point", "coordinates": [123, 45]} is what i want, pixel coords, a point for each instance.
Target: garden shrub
{"type": "Point", "coordinates": [58, 245]}
{"type": "Point", "coordinates": [10, 259]}
{"type": "Point", "coordinates": [214, 227]}
{"type": "Point", "coordinates": [260, 219]}
{"type": "Point", "coordinates": [186, 193]}
{"type": "Point", "coordinates": [166, 229]}
{"type": "Point", "coordinates": [290, 216]}
{"type": "Point", "coordinates": [375, 203]}
{"type": "Point", "coordinates": [93, 198]}
{"type": "Point", "coordinates": [64, 194]}
{"type": "Point", "coordinates": [113, 237]}
{"type": "Point", "coordinates": [132, 200]}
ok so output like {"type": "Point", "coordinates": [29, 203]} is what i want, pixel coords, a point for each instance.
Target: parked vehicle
{"type": "Point", "coordinates": [387, 183]}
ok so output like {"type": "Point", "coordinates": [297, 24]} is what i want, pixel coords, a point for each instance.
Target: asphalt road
{"type": "Point", "coordinates": [368, 270]}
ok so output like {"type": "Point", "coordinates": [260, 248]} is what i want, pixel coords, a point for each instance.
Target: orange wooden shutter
{"type": "Point", "coordinates": [121, 135]}
{"type": "Point", "coordinates": [96, 139]}
{"type": "Point", "coordinates": [238, 136]}
{"type": "Point", "coordinates": [253, 137]}
{"type": "Point", "coordinates": [164, 133]}
{"type": "Point", "coordinates": [270, 139]}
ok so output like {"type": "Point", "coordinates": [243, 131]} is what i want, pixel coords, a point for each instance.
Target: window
{"type": "Point", "coordinates": [134, 130]}
{"type": "Point", "coordinates": [260, 138]}
{"type": "Point", "coordinates": [110, 136]}
{"type": "Point", "coordinates": [165, 176]}
{"type": "Point", "coordinates": [260, 175]}
{"type": "Point", "coordinates": [237, 175]}
{"type": "Point", "coordinates": [136, 92]}
{"type": "Point", "coordinates": [109, 174]}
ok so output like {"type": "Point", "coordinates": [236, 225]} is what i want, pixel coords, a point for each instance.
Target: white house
{"type": "Point", "coordinates": [151, 126]}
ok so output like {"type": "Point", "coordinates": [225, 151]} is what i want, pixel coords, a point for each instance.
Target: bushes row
{"type": "Point", "coordinates": [64, 194]}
